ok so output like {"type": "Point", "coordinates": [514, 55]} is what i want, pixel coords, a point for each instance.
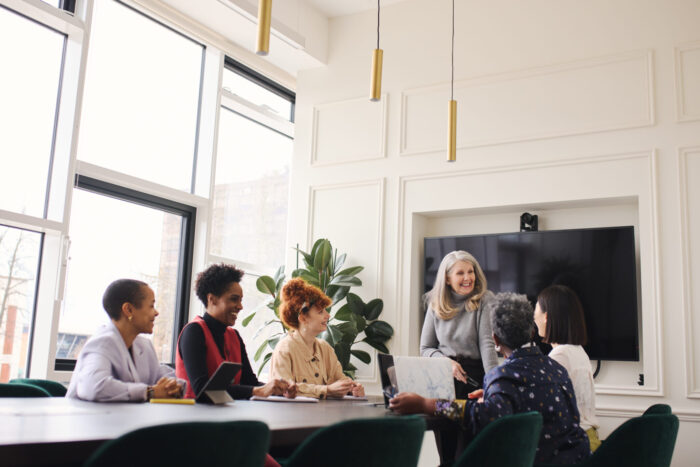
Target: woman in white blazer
{"type": "Point", "coordinates": [116, 364]}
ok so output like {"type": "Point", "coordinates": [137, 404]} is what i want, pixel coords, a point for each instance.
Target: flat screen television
{"type": "Point", "coordinates": [599, 264]}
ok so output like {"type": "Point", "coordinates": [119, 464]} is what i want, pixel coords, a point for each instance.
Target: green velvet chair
{"type": "Point", "coordinates": [22, 390]}
{"type": "Point", "coordinates": [54, 388]}
{"type": "Point", "coordinates": [210, 444]}
{"type": "Point", "coordinates": [509, 441]}
{"type": "Point", "coordinates": [645, 441]}
{"type": "Point", "coordinates": [368, 442]}
{"type": "Point", "coordinates": [658, 409]}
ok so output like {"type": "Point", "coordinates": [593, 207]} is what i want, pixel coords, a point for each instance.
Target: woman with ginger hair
{"type": "Point", "coordinates": [301, 356]}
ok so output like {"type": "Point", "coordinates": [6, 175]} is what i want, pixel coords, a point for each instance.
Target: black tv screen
{"type": "Point", "coordinates": [599, 264]}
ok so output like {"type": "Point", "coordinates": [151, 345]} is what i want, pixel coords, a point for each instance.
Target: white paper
{"type": "Point", "coordinates": [426, 376]}
{"type": "Point", "coordinates": [284, 399]}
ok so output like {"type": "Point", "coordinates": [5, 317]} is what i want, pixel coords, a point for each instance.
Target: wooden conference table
{"type": "Point", "coordinates": [58, 431]}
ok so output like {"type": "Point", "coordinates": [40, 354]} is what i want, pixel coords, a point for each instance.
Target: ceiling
{"type": "Point", "coordinates": [333, 8]}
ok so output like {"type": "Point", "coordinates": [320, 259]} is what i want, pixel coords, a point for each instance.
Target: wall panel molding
{"type": "Point", "coordinates": [587, 96]}
{"type": "Point", "coordinates": [687, 74]}
{"type": "Point", "coordinates": [379, 185]}
{"type": "Point", "coordinates": [348, 131]}
{"type": "Point", "coordinates": [688, 296]}
{"type": "Point", "coordinates": [645, 188]}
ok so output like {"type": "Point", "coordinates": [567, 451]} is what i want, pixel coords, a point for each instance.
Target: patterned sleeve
{"type": "Point", "coordinates": [454, 410]}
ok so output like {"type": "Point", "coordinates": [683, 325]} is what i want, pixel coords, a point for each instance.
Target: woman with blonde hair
{"type": "Point", "coordinates": [302, 357]}
{"type": "Point", "coordinates": [457, 325]}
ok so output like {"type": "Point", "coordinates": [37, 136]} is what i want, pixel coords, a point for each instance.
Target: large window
{"type": "Point", "coordinates": [19, 265]}
{"type": "Point", "coordinates": [142, 95]}
{"type": "Point", "coordinates": [31, 56]}
{"type": "Point", "coordinates": [118, 233]}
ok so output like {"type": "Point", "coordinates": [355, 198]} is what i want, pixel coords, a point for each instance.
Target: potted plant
{"type": "Point", "coordinates": [324, 269]}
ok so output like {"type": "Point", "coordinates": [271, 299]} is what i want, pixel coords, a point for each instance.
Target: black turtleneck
{"type": "Point", "coordinates": [193, 350]}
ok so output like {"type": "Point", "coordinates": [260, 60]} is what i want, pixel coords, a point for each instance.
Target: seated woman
{"type": "Point", "coordinates": [300, 356]}
{"type": "Point", "coordinates": [526, 381]}
{"type": "Point", "coordinates": [116, 364]}
{"type": "Point", "coordinates": [560, 322]}
{"type": "Point", "coordinates": [209, 340]}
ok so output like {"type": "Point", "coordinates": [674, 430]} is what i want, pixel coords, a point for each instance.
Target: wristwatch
{"type": "Point", "coordinates": [149, 393]}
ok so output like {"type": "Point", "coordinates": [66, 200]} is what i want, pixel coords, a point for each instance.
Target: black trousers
{"type": "Point", "coordinates": [475, 370]}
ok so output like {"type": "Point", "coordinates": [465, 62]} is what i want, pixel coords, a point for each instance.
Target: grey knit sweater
{"type": "Point", "coordinates": [468, 334]}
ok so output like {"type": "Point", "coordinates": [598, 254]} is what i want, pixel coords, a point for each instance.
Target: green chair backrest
{"type": "Point", "coordinates": [210, 444]}
{"type": "Point", "coordinates": [54, 388]}
{"type": "Point", "coordinates": [658, 409]}
{"type": "Point", "coordinates": [509, 441]}
{"type": "Point", "coordinates": [22, 390]}
{"type": "Point", "coordinates": [367, 442]}
{"type": "Point", "coordinates": [645, 441]}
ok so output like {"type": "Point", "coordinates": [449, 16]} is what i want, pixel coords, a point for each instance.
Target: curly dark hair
{"type": "Point", "coordinates": [298, 297]}
{"type": "Point", "coordinates": [512, 319]}
{"type": "Point", "coordinates": [122, 291]}
{"type": "Point", "coordinates": [215, 280]}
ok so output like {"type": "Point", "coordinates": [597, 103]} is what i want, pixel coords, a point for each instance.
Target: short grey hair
{"type": "Point", "coordinates": [512, 319]}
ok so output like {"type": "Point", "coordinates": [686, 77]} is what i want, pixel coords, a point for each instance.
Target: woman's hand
{"type": "Point", "coordinates": [458, 372]}
{"type": "Point", "coordinates": [339, 388]}
{"type": "Point", "coordinates": [275, 387]}
{"type": "Point", "coordinates": [408, 403]}
{"type": "Point", "coordinates": [167, 388]}
{"type": "Point", "coordinates": [357, 390]}
{"type": "Point", "coordinates": [478, 394]}
{"type": "Point", "coordinates": [291, 391]}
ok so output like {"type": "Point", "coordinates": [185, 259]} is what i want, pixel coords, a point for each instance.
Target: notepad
{"type": "Point", "coordinates": [173, 401]}
{"type": "Point", "coordinates": [355, 398]}
{"type": "Point", "coordinates": [284, 399]}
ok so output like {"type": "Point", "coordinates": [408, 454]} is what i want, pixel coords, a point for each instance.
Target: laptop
{"type": "Point", "coordinates": [426, 376]}
{"type": "Point", "coordinates": [215, 391]}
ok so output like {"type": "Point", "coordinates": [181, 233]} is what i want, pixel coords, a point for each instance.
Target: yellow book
{"type": "Point", "coordinates": [173, 401]}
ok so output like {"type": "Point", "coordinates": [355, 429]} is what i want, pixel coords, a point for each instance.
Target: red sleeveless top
{"type": "Point", "coordinates": [232, 351]}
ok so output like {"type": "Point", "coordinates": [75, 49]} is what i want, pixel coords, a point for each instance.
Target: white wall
{"type": "Point", "coordinates": [586, 113]}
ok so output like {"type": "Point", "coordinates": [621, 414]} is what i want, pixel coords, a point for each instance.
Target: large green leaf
{"type": "Point", "coordinates": [323, 255]}
{"type": "Point", "coordinates": [260, 350]}
{"type": "Point", "coordinates": [373, 309]}
{"type": "Point", "coordinates": [264, 362]}
{"type": "Point", "coordinates": [315, 248]}
{"type": "Point", "coordinates": [348, 332]}
{"type": "Point", "coordinates": [380, 329]}
{"type": "Point", "coordinates": [279, 274]}
{"type": "Point", "coordinates": [247, 319]}
{"type": "Point", "coordinates": [344, 313]}
{"type": "Point", "coordinates": [308, 259]}
{"type": "Point", "coordinates": [266, 285]}
{"type": "Point", "coordinates": [336, 334]}
{"type": "Point", "coordinates": [353, 271]}
{"type": "Point", "coordinates": [327, 336]}
{"type": "Point", "coordinates": [313, 280]}
{"type": "Point", "coordinates": [361, 355]}
{"type": "Point", "coordinates": [337, 292]}
{"type": "Point", "coordinates": [360, 322]}
{"type": "Point", "coordinates": [346, 280]}
{"type": "Point", "coordinates": [272, 343]}
{"type": "Point", "coordinates": [377, 344]}
{"type": "Point", "coordinates": [342, 351]}
{"type": "Point", "coordinates": [355, 303]}
{"type": "Point", "coordinates": [298, 272]}
{"type": "Point", "coordinates": [339, 261]}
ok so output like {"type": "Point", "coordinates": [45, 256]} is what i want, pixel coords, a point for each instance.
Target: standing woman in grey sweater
{"type": "Point", "coordinates": [457, 324]}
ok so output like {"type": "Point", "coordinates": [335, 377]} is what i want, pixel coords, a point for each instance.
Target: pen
{"type": "Point", "coordinates": [173, 401]}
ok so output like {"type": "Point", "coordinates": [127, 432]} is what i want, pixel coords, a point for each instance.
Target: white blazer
{"type": "Point", "coordinates": [106, 372]}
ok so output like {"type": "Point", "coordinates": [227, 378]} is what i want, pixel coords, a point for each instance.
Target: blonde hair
{"type": "Point", "coordinates": [439, 297]}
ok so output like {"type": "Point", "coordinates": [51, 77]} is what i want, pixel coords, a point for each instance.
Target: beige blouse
{"type": "Point", "coordinates": [311, 370]}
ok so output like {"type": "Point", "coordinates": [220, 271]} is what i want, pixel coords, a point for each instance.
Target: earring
{"type": "Point", "coordinates": [130, 318]}
{"type": "Point", "coordinates": [497, 348]}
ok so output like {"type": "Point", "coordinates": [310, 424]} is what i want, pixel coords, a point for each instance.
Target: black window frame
{"type": "Point", "coordinates": [184, 273]}
{"type": "Point", "coordinates": [263, 81]}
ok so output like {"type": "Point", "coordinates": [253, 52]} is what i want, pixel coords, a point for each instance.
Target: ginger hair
{"type": "Point", "coordinates": [299, 297]}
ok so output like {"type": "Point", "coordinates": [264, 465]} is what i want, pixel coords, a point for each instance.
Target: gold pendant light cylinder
{"type": "Point", "coordinates": [375, 91]}
{"type": "Point", "coordinates": [452, 131]}
{"type": "Point", "coordinates": [264, 18]}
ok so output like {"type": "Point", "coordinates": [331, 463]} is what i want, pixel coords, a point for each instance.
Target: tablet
{"type": "Point", "coordinates": [215, 391]}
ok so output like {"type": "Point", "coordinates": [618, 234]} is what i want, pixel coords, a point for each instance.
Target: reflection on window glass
{"type": "Point", "coordinates": [19, 264]}
{"type": "Point", "coordinates": [31, 57]}
{"type": "Point", "coordinates": [141, 97]}
{"type": "Point", "coordinates": [113, 239]}
{"type": "Point", "coordinates": [53, 3]}
{"type": "Point", "coordinates": [252, 92]}
{"type": "Point", "coordinates": [251, 192]}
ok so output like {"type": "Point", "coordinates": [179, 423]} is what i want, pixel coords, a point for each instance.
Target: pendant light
{"type": "Point", "coordinates": [264, 18]}
{"type": "Point", "coordinates": [452, 107]}
{"type": "Point", "coordinates": [375, 92]}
